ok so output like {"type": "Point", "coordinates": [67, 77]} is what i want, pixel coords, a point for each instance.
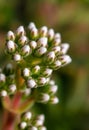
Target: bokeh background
{"type": "Point", "coordinates": [71, 19]}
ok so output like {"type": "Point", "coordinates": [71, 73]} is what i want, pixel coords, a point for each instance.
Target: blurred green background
{"type": "Point", "coordinates": [71, 19]}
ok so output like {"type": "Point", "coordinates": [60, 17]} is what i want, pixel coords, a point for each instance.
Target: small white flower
{"type": "Point", "coordinates": [50, 34]}
{"type": "Point", "coordinates": [3, 93]}
{"type": "Point", "coordinates": [26, 50]}
{"type": "Point", "coordinates": [42, 81]}
{"type": "Point", "coordinates": [65, 59]}
{"type": "Point", "coordinates": [23, 125]}
{"type": "Point", "coordinates": [50, 56]}
{"type": "Point", "coordinates": [56, 41]}
{"type": "Point", "coordinates": [20, 31]}
{"type": "Point", "coordinates": [43, 31]}
{"type": "Point", "coordinates": [27, 91]}
{"type": "Point", "coordinates": [41, 51]}
{"type": "Point", "coordinates": [52, 82]}
{"type": "Point", "coordinates": [33, 128]}
{"type": "Point", "coordinates": [31, 25]}
{"type": "Point", "coordinates": [33, 44]}
{"type": "Point", "coordinates": [36, 69]}
{"type": "Point", "coordinates": [17, 57]}
{"type": "Point", "coordinates": [64, 48]}
{"type": "Point", "coordinates": [57, 64]}
{"type": "Point", "coordinates": [42, 42]}
{"type": "Point", "coordinates": [31, 83]}
{"type": "Point", "coordinates": [12, 88]}
{"type": "Point", "coordinates": [28, 115]}
{"type": "Point", "coordinates": [41, 117]}
{"type": "Point", "coordinates": [44, 97]}
{"type": "Point", "coordinates": [57, 35]}
{"type": "Point", "coordinates": [2, 77]}
{"type": "Point", "coordinates": [47, 72]}
{"type": "Point", "coordinates": [56, 49]}
{"type": "Point", "coordinates": [54, 100]}
{"type": "Point", "coordinates": [23, 40]}
{"type": "Point", "coordinates": [53, 89]}
{"type": "Point", "coordinates": [34, 32]}
{"type": "Point", "coordinates": [26, 72]}
{"type": "Point", "coordinates": [11, 46]}
{"type": "Point", "coordinates": [42, 128]}
{"type": "Point", "coordinates": [10, 36]}
{"type": "Point", "coordinates": [38, 122]}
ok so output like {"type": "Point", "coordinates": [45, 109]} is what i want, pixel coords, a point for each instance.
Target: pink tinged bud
{"type": "Point", "coordinates": [57, 64]}
{"type": "Point", "coordinates": [3, 93]}
{"type": "Point", "coordinates": [65, 59]}
{"type": "Point", "coordinates": [56, 41]}
{"type": "Point", "coordinates": [34, 33]}
{"type": "Point", "coordinates": [64, 48]}
{"type": "Point", "coordinates": [50, 34]}
{"type": "Point", "coordinates": [47, 72]}
{"type": "Point", "coordinates": [44, 98]}
{"type": "Point", "coordinates": [57, 35]}
{"type": "Point", "coordinates": [43, 31]}
{"type": "Point", "coordinates": [26, 50]}
{"type": "Point", "coordinates": [54, 100]}
{"type": "Point", "coordinates": [56, 49]}
{"type": "Point", "coordinates": [2, 77]}
{"type": "Point", "coordinates": [20, 31]}
{"type": "Point", "coordinates": [10, 36]}
{"type": "Point", "coordinates": [23, 40]}
{"type": "Point", "coordinates": [50, 57]}
{"type": "Point", "coordinates": [31, 25]}
{"type": "Point", "coordinates": [41, 51]}
{"type": "Point", "coordinates": [42, 81]}
{"type": "Point", "coordinates": [31, 83]}
{"type": "Point", "coordinates": [53, 89]}
{"type": "Point", "coordinates": [10, 46]}
{"type": "Point", "coordinates": [33, 44]}
{"type": "Point", "coordinates": [42, 42]}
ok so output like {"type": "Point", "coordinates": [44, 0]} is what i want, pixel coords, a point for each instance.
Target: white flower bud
{"type": "Point", "coordinates": [10, 46]}
{"type": "Point", "coordinates": [23, 40]}
{"type": "Point", "coordinates": [31, 25]}
{"type": "Point", "coordinates": [27, 91]}
{"type": "Point", "coordinates": [23, 125]}
{"type": "Point", "coordinates": [57, 64]}
{"type": "Point", "coordinates": [56, 49]}
{"type": "Point", "coordinates": [28, 116]}
{"type": "Point", "coordinates": [51, 82]}
{"type": "Point", "coordinates": [3, 93]}
{"type": "Point", "coordinates": [17, 57]}
{"type": "Point", "coordinates": [33, 44]}
{"type": "Point", "coordinates": [2, 77]}
{"type": "Point", "coordinates": [34, 33]}
{"type": "Point", "coordinates": [65, 59]}
{"type": "Point", "coordinates": [31, 83]}
{"type": "Point", "coordinates": [10, 36]}
{"type": "Point", "coordinates": [54, 100]}
{"type": "Point", "coordinates": [20, 31]}
{"type": "Point", "coordinates": [64, 48]}
{"type": "Point", "coordinates": [26, 50]}
{"type": "Point", "coordinates": [38, 122]}
{"type": "Point", "coordinates": [43, 31]}
{"type": "Point", "coordinates": [53, 89]}
{"type": "Point", "coordinates": [56, 41]}
{"type": "Point", "coordinates": [42, 42]}
{"type": "Point", "coordinates": [42, 128]}
{"type": "Point", "coordinates": [12, 88]}
{"type": "Point", "coordinates": [50, 57]}
{"type": "Point", "coordinates": [33, 128]}
{"type": "Point", "coordinates": [47, 72]}
{"type": "Point", "coordinates": [44, 97]}
{"type": "Point", "coordinates": [50, 34]}
{"type": "Point", "coordinates": [41, 117]}
{"type": "Point", "coordinates": [41, 51]}
{"type": "Point", "coordinates": [36, 69]}
{"type": "Point", "coordinates": [42, 81]}
{"type": "Point", "coordinates": [57, 35]}
{"type": "Point", "coordinates": [26, 72]}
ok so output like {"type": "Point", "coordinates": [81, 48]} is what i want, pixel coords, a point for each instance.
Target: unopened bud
{"type": "Point", "coordinates": [47, 72]}
{"type": "Point", "coordinates": [41, 51]}
{"type": "Point", "coordinates": [3, 93]}
{"type": "Point", "coordinates": [64, 48]}
{"type": "Point", "coordinates": [10, 36]}
{"type": "Point", "coordinates": [23, 125]}
{"type": "Point", "coordinates": [50, 57]}
{"type": "Point", "coordinates": [17, 57]}
{"type": "Point", "coordinates": [26, 72]}
{"type": "Point", "coordinates": [23, 40]}
{"type": "Point", "coordinates": [36, 69]}
{"type": "Point", "coordinates": [10, 46]}
{"type": "Point", "coordinates": [31, 83]}
{"type": "Point", "coordinates": [34, 33]}
{"type": "Point", "coordinates": [33, 44]}
{"type": "Point", "coordinates": [42, 42]}
{"type": "Point", "coordinates": [12, 88]}
{"type": "Point", "coordinates": [57, 64]}
{"type": "Point", "coordinates": [42, 81]}
{"type": "Point", "coordinates": [50, 34]}
{"type": "Point", "coordinates": [43, 31]}
{"type": "Point", "coordinates": [44, 97]}
{"type": "Point", "coordinates": [31, 25]}
{"type": "Point", "coordinates": [2, 78]}
{"type": "Point", "coordinates": [20, 31]}
{"type": "Point", "coordinates": [26, 50]}
{"type": "Point", "coordinates": [33, 128]}
{"type": "Point", "coordinates": [28, 116]}
{"type": "Point", "coordinates": [65, 59]}
{"type": "Point", "coordinates": [54, 100]}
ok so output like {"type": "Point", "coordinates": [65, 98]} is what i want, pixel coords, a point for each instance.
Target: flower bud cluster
{"type": "Point", "coordinates": [30, 122]}
{"type": "Point", "coordinates": [7, 81]}
{"type": "Point", "coordinates": [47, 93]}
